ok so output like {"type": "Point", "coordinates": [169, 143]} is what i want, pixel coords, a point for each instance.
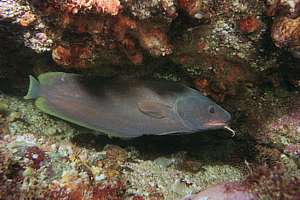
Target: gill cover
{"type": "Point", "coordinates": [200, 113]}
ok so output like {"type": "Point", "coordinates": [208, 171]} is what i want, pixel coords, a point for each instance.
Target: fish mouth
{"type": "Point", "coordinates": [214, 124]}
{"type": "Point", "coordinates": [221, 125]}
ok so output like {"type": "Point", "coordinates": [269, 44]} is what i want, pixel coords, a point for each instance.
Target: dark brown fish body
{"type": "Point", "coordinates": [125, 108]}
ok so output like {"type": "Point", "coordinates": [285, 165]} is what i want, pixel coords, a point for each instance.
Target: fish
{"type": "Point", "coordinates": [126, 108]}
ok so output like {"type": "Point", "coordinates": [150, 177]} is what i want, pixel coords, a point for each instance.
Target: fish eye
{"type": "Point", "coordinates": [211, 109]}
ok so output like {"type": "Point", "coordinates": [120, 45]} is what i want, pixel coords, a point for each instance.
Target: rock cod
{"type": "Point", "coordinates": [126, 108]}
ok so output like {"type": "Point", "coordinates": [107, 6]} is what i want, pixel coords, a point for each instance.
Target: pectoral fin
{"type": "Point", "coordinates": [154, 109]}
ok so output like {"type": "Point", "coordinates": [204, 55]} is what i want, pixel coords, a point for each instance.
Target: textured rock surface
{"type": "Point", "coordinates": [243, 54]}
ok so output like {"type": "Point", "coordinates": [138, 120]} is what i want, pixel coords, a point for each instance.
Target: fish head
{"type": "Point", "coordinates": [200, 113]}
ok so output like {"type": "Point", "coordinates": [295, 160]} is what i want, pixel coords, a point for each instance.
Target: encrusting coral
{"type": "Point", "coordinates": [99, 19]}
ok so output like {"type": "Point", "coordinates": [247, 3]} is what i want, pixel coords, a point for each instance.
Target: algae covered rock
{"type": "Point", "coordinates": [242, 54]}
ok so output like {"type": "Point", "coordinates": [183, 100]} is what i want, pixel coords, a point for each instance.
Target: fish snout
{"type": "Point", "coordinates": [219, 125]}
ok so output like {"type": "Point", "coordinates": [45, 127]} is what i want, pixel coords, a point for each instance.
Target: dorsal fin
{"type": "Point", "coordinates": [49, 77]}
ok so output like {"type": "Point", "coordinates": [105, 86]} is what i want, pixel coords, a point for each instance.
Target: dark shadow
{"type": "Point", "coordinates": [17, 61]}
{"type": "Point", "coordinates": [213, 146]}
{"type": "Point", "coordinates": [182, 23]}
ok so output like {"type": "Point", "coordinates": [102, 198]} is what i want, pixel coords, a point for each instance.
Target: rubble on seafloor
{"type": "Point", "coordinates": [38, 160]}
{"type": "Point", "coordinates": [44, 157]}
{"type": "Point", "coordinates": [242, 54]}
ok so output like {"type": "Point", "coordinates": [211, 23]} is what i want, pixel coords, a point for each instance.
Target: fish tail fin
{"type": "Point", "coordinates": [34, 88]}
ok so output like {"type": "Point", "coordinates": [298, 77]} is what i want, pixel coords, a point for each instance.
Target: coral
{"type": "Point", "coordinates": [112, 30]}
{"type": "Point", "coordinates": [155, 41]}
{"type": "Point", "coordinates": [122, 26]}
{"type": "Point", "coordinates": [36, 156]}
{"type": "Point", "coordinates": [96, 192]}
{"type": "Point", "coordinates": [220, 38]}
{"type": "Point", "coordinates": [149, 9]}
{"type": "Point", "coordinates": [10, 175]}
{"type": "Point", "coordinates": [285, 29]}
{"type": "Point", "coordinates": [249, 24]}
{"type": "Point", "coordinates": [286, 33]}
{"type": "Point", "coordinates": [195, 8]}
{"type": "Point", "coordinates": [31, 26]}
{"type": "Point", "coordinates": [115, 157]}
{"type": "Point", "coordinates": [105, 32]}
{"type": "Point", "coordinates": [58, 193]}
{"type": "Point", "coordinates": [267, 155]}
{"type": "Point", "coordinates": [116, 153]}
{"type": "Point", "coordinates": [10, 9]}
{"type": "Point", "coordinates": [229, 74]}
{"type": "Point", "coordinates": [72, 56]}
{"type": "Point", "coordinates": [281, 7]}
{"type": "Point", "coordinates": [273, 183]}
{"type": "Point", "coordinates": [109, 192]}
{"type": "Point", "coordinates": [99, 6]}
{"type": "Point", "coordinates": [91, 6]}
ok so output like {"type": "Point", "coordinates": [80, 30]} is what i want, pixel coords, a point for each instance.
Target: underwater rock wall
{"type": "Point", "coordinates": [242, 54]}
